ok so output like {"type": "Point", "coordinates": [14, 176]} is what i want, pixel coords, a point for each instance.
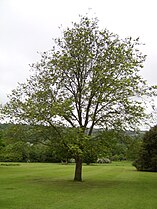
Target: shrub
{"type": "Point", "coordinates": [147, 159]}
{"type": "Point", "coordinates": [103, 160]}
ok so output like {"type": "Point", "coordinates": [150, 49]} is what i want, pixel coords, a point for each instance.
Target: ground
{"type": "Point", "coordinates": [50, 186]}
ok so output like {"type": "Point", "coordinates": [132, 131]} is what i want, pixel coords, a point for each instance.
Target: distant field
{"type": "Point", "coordinates": [50, 186]}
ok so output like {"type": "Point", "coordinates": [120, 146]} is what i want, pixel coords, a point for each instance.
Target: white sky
{"type": "Point", "coordinates": [28, 26]}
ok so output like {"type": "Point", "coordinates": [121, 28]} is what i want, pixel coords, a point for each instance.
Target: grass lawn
{"type": "Point", "coordinates": [50, 186]}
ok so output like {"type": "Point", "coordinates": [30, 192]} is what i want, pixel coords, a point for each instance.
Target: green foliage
{"type": "Point", "coordinates": [28, 143]}
{"type": "Point", "coordinates": [12, 153]}
{"type": "Point", "coordinates": [1, 144]}
{"type": "Point", "coordinates": [134, 147]}
{"type": "Point", "coordinates": [41, 144]}
{"type": "Point", "coordinates": [91, 78]}
{"type": "Point", "coordinates": [92, 150]}
{"type": "Point", "coordinates": [147, 158]}
{"type": "Point", "coordinates": [119, 145]}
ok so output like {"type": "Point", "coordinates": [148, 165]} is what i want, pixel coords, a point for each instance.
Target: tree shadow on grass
{"type": "Point", "coordinates": [85, 185]}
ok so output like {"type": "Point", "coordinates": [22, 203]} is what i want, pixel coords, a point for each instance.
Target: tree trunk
{"type": "Point", "coordinates": [78, 169]}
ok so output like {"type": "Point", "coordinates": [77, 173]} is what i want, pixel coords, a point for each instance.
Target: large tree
{"type": "Point", "coordinates": [89, 79]}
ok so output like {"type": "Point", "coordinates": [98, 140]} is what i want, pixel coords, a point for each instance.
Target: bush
{"type": "Point", "coordinates": [147, 159]}
{"type": "Point", "coordinates": [103, 160]}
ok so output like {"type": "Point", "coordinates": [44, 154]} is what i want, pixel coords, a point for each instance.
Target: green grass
{"type": "Point", "coordinates": [50, 186]}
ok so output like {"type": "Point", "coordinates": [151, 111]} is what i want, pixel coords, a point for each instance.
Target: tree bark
{"type": "Point", "coordinates": [78, 169]}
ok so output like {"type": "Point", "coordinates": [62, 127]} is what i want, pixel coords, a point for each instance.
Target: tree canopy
{"type": "Point", "coordinates": [89, 79]}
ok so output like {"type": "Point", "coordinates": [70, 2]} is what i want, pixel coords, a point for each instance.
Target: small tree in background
{"type": "Point", "coordinates": [89, 79]}
{"type": "Point", "coordinates": [147, 159]}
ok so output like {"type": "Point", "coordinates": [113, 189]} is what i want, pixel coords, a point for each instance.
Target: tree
{"type": "Point", "coordinates": [89, 79]}
{"type": "Point", "coordinates": [147, 158]}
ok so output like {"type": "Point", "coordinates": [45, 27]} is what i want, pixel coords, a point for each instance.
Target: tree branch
{"type": "Point", "coordinates": [68, 120]}
{"type": "Point", "coordinates": [88, 110]}
{"type": "Point", "coordinates": [94, 117]}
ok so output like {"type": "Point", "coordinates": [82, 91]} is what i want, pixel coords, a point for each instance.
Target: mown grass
{"type": "Point", "coordinates": [50, 186]}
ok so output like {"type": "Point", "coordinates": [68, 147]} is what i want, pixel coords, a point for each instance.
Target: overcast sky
{"type": "Point", "coordinates": [28, 26]}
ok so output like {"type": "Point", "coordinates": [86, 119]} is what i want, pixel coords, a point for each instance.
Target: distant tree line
{"type": "Point", "coordinates": [25, 143]}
